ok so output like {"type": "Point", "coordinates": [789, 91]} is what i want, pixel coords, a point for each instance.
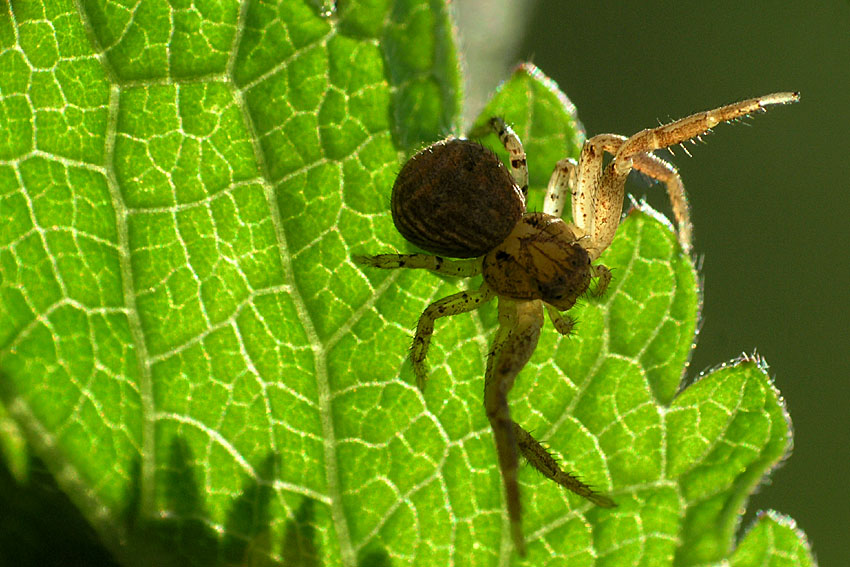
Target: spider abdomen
{"type": "Point", "coordinates": [540, 259]}
{"type": "Point", "coordinates": [456, 198]}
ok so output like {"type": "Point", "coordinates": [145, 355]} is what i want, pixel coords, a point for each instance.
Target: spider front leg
{"type": "Point", "coordinates": [582, 180]}
{"type": "Point", "coordinates": [519, 329]}
{"type": "Point", "coordinates": [584, 188]}
{"type": "Point", "coordinates": [604, 201]}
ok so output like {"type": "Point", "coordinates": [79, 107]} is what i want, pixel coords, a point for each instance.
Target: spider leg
{"type": "Point", "coordinates": [610, 189]}
{"type": "Point", "coordinates": [512, 143]}
{"type": "Point", "coordinates": [538, 457]}
{"type": "Point", "coordinates": [563, 181]}
{"type": "Point", "coordinates": [663, 171]}
{"type": "Point", "coordinates": [694, 125]}
{"type": "Point", "coordinates": [438, 264]}
{"type": "Point", "coordinates": [582, 181]}
{"type": "Point", "coordinates": [666, 173]}
{"type": "Point", "coordinates": [519, 329]}
{"type": "Point", "coordinates": [455, 304]}
{"type": "Point", "coordinates": [586, 205]}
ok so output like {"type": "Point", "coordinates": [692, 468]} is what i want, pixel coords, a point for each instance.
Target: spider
{"type": "Point", "coordinates": [456, 199]}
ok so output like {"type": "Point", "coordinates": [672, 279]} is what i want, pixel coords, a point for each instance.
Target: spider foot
{"type": "Point", "coordinates": [562, 323]}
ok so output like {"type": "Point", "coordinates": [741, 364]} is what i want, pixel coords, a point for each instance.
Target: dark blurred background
{"type": "Point", "coordinates": [770, 198]}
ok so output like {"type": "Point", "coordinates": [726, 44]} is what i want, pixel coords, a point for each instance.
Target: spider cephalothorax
{"type": "Point", "coordinates": [455, 198]}
{"type": "Point", "coordinates": [541, 258]}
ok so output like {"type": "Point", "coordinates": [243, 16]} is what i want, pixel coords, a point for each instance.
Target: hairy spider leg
{"type": "Point", "coordinates": [666, 173]}
{"type": "Point", "coordinates": [541, 459]}
{"type": "Point", "coordinates": [592, 205]}
{"type": "Point", "coordinates": [587, 177]}
{"type": "Point", "coordinates": [519, 330]}
{"type": "Point", "coordinates": [694, 125]}
{"type": "Point", "coordinates": [512, 143]}
{"type": "Point", "coordinates": [648, 164]}
{"type": "Point", "coordinates": [605, 192]}
{"type": "Point", "coordinates": [583, 181]}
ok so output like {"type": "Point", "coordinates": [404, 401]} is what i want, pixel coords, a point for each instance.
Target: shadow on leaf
{"type": "Point", "coordinates": [184, 536]}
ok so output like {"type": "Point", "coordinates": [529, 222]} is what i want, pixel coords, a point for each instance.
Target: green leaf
{"type": "Point", "coordinates": [186, 344]}
{"type": "Point", "coordinates": [774, 541]}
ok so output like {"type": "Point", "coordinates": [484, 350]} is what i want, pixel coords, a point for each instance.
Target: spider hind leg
{"type": "Point", "coordinates": [541, 459]}
{"type": "Point", "coordinates": [519, 330]}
